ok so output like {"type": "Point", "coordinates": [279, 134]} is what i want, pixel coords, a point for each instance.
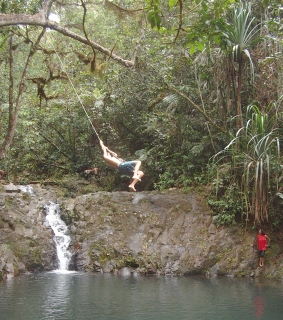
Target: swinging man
{"type": "Point", "coordinates": [128, 168]}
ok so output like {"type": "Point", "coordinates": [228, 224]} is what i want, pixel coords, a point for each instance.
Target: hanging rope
{"type": "Point", "coordinates": [79, 98]}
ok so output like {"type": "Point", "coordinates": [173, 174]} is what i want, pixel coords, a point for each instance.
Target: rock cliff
{"type": "Point", "coordinates": [168, 232]}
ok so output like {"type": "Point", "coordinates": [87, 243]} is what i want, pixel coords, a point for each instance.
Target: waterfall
{"type": "Point", "coordinates": [61, 238]}
{"type": "Point", "coordinates": [28, 189]}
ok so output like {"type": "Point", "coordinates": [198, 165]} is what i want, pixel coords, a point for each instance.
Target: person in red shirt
{"type": "Point", "coordinates": [262, 241]}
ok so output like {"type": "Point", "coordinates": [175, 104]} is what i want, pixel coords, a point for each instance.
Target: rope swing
{"type": "Point", "coordinates": [128, 168]}
{"type": "Point", "coordinates": [79, 98]}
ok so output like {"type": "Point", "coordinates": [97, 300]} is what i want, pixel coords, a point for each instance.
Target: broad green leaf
{"type": "Point", "coordinates": [172, 3]}
{"type": "Point", "coordinates": [200, 46]}
{"type": "Point", "coordinates": [192, 49]}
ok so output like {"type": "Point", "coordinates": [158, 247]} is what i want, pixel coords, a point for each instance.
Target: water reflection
{"type": "Point", "coordinates": [56, 290]}
{"type": "Point", "coordinates": [259, 305]}
{"type": "Point", "coordinates": [73, 295]}
{"type": "Point", "coordinates": [258, 301]}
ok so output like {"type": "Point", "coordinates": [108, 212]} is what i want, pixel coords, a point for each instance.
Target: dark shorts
{"type": "Point", "coordinates": [261, 253]}
{"type": "Point", "coordinates": [127, 168]}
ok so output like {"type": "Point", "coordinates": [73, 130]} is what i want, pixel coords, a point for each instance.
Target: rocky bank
{"type": "Point", "coordinates": [162, 233]}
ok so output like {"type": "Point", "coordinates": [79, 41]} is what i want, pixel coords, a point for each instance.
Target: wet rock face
{"type": "Point", "coordinates": [25, 242]}
{"type": "Point", "coordinates": [145, 232]}
{"type": "Point", "coordinates": [155, 233]}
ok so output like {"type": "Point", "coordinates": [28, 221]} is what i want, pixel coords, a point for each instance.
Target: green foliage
{"type": "Point", "coordinates": [20, 6]}
{"type": "Point", "coordinates": [127, 261]}
{"type": "Point", "coordinates": [227, 199]}
{"type": "Point", "coordinates": [277, 204]}
{"type": "Point", "coordinates": [153, 14]}
{"type": "Point", "coordinates": [207, 21]}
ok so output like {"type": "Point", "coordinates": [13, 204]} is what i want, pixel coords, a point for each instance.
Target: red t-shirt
{"type": "Point", "coordinates": [261, 242]}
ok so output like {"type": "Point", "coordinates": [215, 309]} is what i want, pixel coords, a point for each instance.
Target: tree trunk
{"type": "Point", "coordinates": [239, 116]}
{"type": "Point", "coordinates": [15, 107]}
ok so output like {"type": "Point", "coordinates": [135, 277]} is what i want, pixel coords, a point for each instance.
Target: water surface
{"type": "Point", "coordinates": [75, 296]}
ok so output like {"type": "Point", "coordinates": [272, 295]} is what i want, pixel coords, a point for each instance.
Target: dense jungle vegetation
{"type": "Point", "coordinates": [193, 88]}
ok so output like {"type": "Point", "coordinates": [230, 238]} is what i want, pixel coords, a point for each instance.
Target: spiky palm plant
{"type": "Point", "coordinates": [255, 159]}
{"type": "Point", "coordinates": [262, 148]}
{"type": "Point", "coordinates": [240, 36]}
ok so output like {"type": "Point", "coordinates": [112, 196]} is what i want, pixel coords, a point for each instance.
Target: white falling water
{"type": "Point", "coordinates": [61, 238]}
{"type": "Point", "coordinates": [28, 189]}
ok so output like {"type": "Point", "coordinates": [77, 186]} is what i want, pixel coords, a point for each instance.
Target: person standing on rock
{"type": "Point", "coordinates": [128, 168]}
{"type": "Point", "coordinates": [263, 242]}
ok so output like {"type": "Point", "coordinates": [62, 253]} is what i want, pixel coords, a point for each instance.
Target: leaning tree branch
{"type": "Point", "coordinates": [41, 19]}
{"type": "Point", "coordinates": [180, 19]}
{"type": "Point", "coordinates": [196, 107]}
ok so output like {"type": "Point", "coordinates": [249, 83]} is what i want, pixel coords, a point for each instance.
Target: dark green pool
{"type": "Point", "coordinates": [74, 296]}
